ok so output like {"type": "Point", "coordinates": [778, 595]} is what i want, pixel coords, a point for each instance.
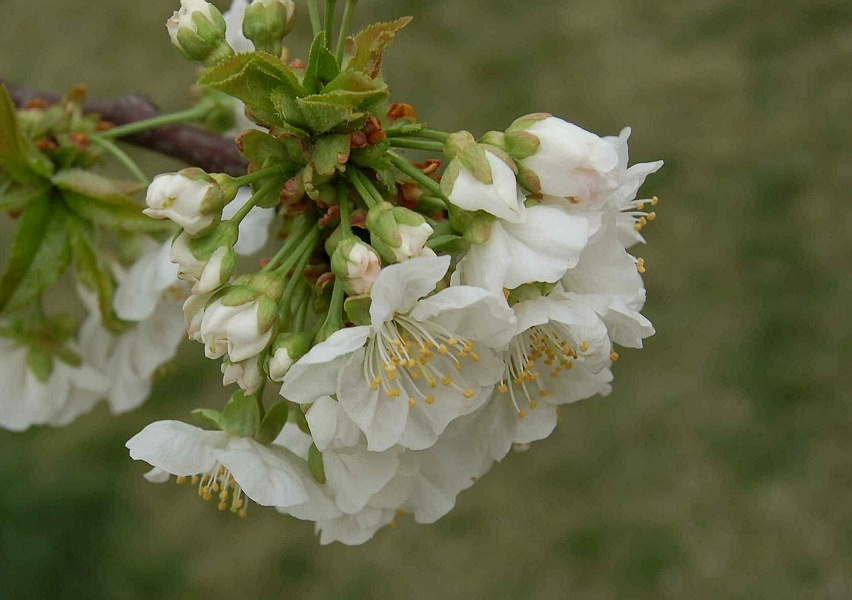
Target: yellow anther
{"type": "Point", "coordinates": [613, 356]}
{"type": "Point", "coordinates": [216, 487]}
{"type": "Point", "coordinates": [242, 512]}
{"type": "Point", "coordinates": [637, 227]}
{"type": "Point", "coordinates": [207, 495]}
{"type": "Point", "coordinates": [522, 413]}
{"type": "Point", "coordinates": [474, 357]}
{"type": "Point", "coordinates": [223, 495]}
{"type": "Point", "coordinates": [468, 347]}
{"type": "Point", "coordinates": [533, 403]}
{"type": "Point", "coordinates": [412, 403]}
{"type": "Point", "coordinates": [652, 216]}
{"type": "Point", "coordinates": [503, 388]}
{"type": "Point", "coordinates": [392, 376]}
{"type": "Point", "coordinates": [394, 392]}
{"type": "Point", "coordinates": [430, 399]}
{"type": "Point", "coordinates": [452, 341]}
{"type": "Point", "coordinates": [643, 220]}
{"type": "Point", "coordinates": [389, 367]}
{"type": "Point", "coordinates": [415, 374]}
{"type": "Point", "coordinates": [640, 206]}
{"type": "Point", "coordinates": [223, 506]}
{"type": "Point", "coordinates": [392, 524]}
{"type": "Point", "coordinates": [506, 293]}
{"type": "Point", "coordinates": [459, 366]}
{"type": "Point", "coordinates": [568, 366]}
{"type": "Point", "coordinates": [446, 380]}
{"type": "Point", "coordinates": [411, 363]}
{"type": "Point", "coordinates": [543, 394]}
{"type": "Point", "coordinates": [442, 349]}
{"type": "Point", "coordinates": [654, 201]}
{"type": "Point", "coordinates": [239, 503]}
{"type": "Point", "coordinates": [195, 480]}
{"type": "Point", "coordinates": [180, 480]}
{"type": "Point", "coordinates": [584, 347]}
{"type": "Point", "coordinates": [468, 393]}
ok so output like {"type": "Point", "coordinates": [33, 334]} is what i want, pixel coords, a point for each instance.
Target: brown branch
{"type": "Point", "coordinates": [199, 148]}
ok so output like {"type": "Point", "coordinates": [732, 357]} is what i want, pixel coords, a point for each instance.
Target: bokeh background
{"type": "Point", "coordinates": [721, 465]}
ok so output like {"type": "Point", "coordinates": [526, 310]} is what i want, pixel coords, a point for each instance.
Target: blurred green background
{"type": "Point", "coordinates": [720, 467]}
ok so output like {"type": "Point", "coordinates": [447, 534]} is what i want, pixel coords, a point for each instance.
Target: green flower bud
{"type": "Point", "coordinates": [197, 31]}
{"type": "Point", "coordinates": [286, 350]}
{"type": "Point", "coordinates": [266, 22]}
{"type": "Point", "coordinates": [356, 264]}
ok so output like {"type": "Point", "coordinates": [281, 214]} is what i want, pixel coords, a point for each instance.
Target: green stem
{"type": "Point", "coordinates": [305, 248]}
{"type": "Point", "coordinates": [250, 178]}
{"type": "Point", "coordinates": [258, 394]}
{"type": "Point", "coordinates": [330, 6]}
{"type": "Point", "coordinates": [245, 209]}
{"type": "Point", "coordinates": [431, 203]}
{"type": "Point", "coordinates": [345, 26]}
{"type": "Point", "coordinates": [294, 240]}
{"type": "Point", "coordinates": [355, 177]}
{"type": "Point", "coordinates": [301, 302]}
{"type": "Point", "coordinates": [343, 202]}
{"type": "Point", "coordinates": [334, 318]}
{"type": "Point", "coordinates": [296, 278]}
{"type": "Point", "coordinates": [415, 130]}
{"type": "Point", "coordinates": [192, 114]}
{"type": "Point", "coordinates": [377, 195]}
{"type": "Point", "coordinates": [416, 174]}
{"type": "Point", "coordinates": [428, 145]}
{"type": "Point", "coordinates": [123, 158]}
{"type": "Point", "coordinates": [313, 10]}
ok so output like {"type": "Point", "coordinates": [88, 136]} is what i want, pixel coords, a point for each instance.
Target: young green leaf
{"type": "Point", "coordinates": [17, 157]}
{"type": "Point", "coordinates": [40, 254]}
{"type": "Point", "coordinates": [91, 273]}
{"type": "Point", "coordinates": [95, 186]}
{"type": "Point", "coordinates": [264, 150]}
{"type": "Point", "coordinates": [16, 197]}
{"type": "Point", "coordinates": [331, 153]}
{"type": "Point", "coordinates": [367, 48]}
{"type": "Point", "coordinates": [273, 422]}
{"type": "Point", "coordinates": [241, 415]}
{"type": "Point", "coordinates": [117, 212]}
{"type": "Point", "coordinates": [322, 66]}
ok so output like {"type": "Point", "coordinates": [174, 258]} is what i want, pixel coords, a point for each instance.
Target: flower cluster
{"type": "Point", "coordinates": [416, 322]}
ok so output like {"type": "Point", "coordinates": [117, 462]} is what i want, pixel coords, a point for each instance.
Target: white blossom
{"type": "Point", "coordinates": [501, 198]}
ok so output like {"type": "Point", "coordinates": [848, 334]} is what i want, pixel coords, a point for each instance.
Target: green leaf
{"type": "Point", "coordinates": [23, 162]}
{"type": "Point", "coordinates": [370, 44]}
{"type": "Point", "coordinates": [92, 274]}
{"type": "Point", "coordinates": [96, 186]}
{"type": "Point", "coordinates": [449, 243]}
{"type": "Point", "coordinates": [17, 197]}
{"type": "Point", "coordinates": [208, 416]}
{"type": "Point", "coordinates": [252, 77]}
{"type": "Point", "coordinates": [40, 254]}
{"type": "Point", "coordinates": [321, 115]}
{"type": "Point", "coordinates": [322, 66]}
{"type": "Point", "coordinates": [356, 82]}
{"type": "Point", "coordinates": [330, 153]}
{"type": "Point", "coordinates": [264, 150]}
{"type": "Point", "coordinates": [241, 415]}
{"type": "Point", "coordinates": [298, 417]}
{"type": "Point", "coordinates": [116, 213]}
{"type": "Point", "coordinates": [315, 464]}
{"type": "Point", "coordinates": [373, 157]}
{"type": "Point", "coordinates": [273, 422]}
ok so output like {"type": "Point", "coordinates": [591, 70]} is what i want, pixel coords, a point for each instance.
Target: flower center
{"type": "Point", "coordinates": [542, 348]}
{"type": "Point", "coordinates": [406, 355]}
{"type": "Point", "coordinates": [219, 482]}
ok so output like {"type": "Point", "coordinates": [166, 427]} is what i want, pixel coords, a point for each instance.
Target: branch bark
{"type": "Point", "coordinates": [199, 148]}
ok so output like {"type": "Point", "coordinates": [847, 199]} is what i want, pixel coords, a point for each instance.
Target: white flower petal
{"type": "Point", "coordinates": [271, 476]}
{"type": "Point", "coordinates": [398, 287]}
{"type": "Point", "coordinates": [178, 448]}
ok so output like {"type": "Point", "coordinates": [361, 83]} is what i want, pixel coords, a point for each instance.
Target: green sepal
{"type": "Point", "coordinates": [273, 422]}
{"type": "Point", "coordinates": [40, 362]}
{"type": "Point", "coordinates": [448, 179]}
{"type": "Point", "coordinates": [237, 295]}
{"type": "Point", "coordinates": [115, 213]}
{"type": "Point", "coordinates": [382, 224]}
{"type": "Point", "coordinates": [264, 150]}
{"type": "Point", "coordinates": [322, 65]}
{"type": "Point", "coordinates": [494, 138]}
{"type": "Point", "coordinates": [40, 254]}
{"type": "Point", "coordinates": [330, 154]}
{"type": "Point", "coordinates": [527, 121]}
{"type": "Point", "coordinates": [95, 186]}
{"type": "Point", "coordinates": [367, 48]}
{"type": "Point", "coordinates": [17, 197]}
{"type": "Point", "coordinates": [528, 179]}
{"type": "Point", "coordinates": [479, 228]}
{"type": "Point", "coordinates": [449, 244]}
{"type": "Point", "coordinates": [91, 273]}
{"type": "Point", "coordinates": [471, 155]}
{"type": "Point", "coordinates": [521, 144]}
{"type": "Point", "coordinates": [208, 416]}
{"type": "Point", "coordinates": [224, 233]}
{"type": "Point", "coordinates": [298, 418]}
{"type": "Point", "coordinates": [267, 313]}
{"type": "Point", "coordinates": [18, 158]}
{"type": "Point", "coordinates": [315, 464]}
{"type": "Point", "coordinates": [241, 415]}
{"type": "Point", "coordinates": [253, 77]}
{"type": "Point", "coordinates": [358, 309]}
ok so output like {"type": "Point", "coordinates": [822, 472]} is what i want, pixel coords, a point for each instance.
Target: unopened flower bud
{"type": "Point", "coordinates": [240, 326]}
{"type": "Point", "coordinates": [285, 351]}
{"type": "Point", "coordinates": [356, 264]}
{"type": "Point", "coordinates": [398, 233]}
{"type": "Point", "coordinates": [193, 313]}
{"type": "Point", "coordinates": [558, 158]}
{"type": "Point", "coordinates": [266, 22]}
{"type": "Point", "coordinates": [197, 30]}
{"type": "Point", "coordinates": [246, 373]}
{"type": "Point", "coordinates": [194, 255]}
{"type": "Point", "coordinates": [191, 198]}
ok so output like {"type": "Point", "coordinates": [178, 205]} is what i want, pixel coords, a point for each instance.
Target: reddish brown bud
{"type": "Point", "coordinates": [297, 64]}
{"type": "Point", "coordinates": [401, 110]}
{"type": "Point", "coordinates": [373, 130]}
{"type": "Point", "coordinates": [429, 166]}
{"type": "Point", "coordinates": [36, 103]}
{"type": "Point", "coordinates": [357, 139]}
